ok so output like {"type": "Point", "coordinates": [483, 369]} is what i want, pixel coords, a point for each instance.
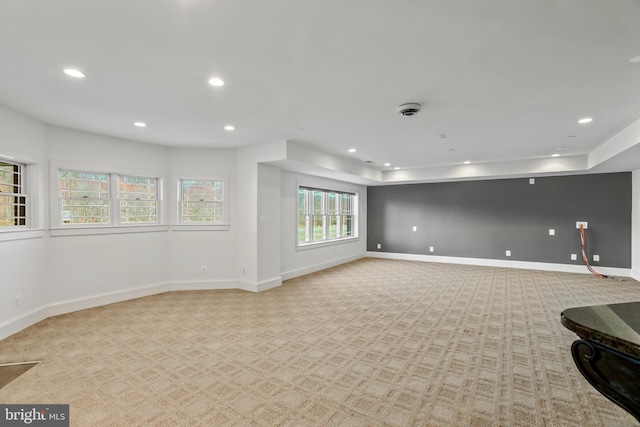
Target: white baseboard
{"type": "Point", "coordinates": [317, 267]}
{"type": "Point", "coordinates": [68, 306]}
{"type": "Point", "coordinates": [24, 320]}
{"type": "Point", "coordinates": [204, 285]}
{"type": "Point", "coordinates": [527, 265]}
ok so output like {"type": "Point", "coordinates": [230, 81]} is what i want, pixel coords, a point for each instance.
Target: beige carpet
{"type": "Point", "coordinates": [369, 343]}
{"type": "Point", "coordinates": [9, 372]}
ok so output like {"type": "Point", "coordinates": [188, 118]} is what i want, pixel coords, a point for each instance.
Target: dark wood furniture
{"type": "Point", "coordinates": [608, 351]}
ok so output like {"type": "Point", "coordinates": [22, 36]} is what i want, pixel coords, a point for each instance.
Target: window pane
{"type": "Point", "coordinates": [137, 188]}
{"type": "Point", "coordinates": [202, 190]}
{"type": "Point", "coordinates": [318, 208]}
{"type": "Point", "coordinates": [334, 227]}
{"type": "Point", "coordinates": [303, 206]}
{"type": "Point", "coordinates": [346, 204]}
{"type": "Point", "coordinates": [347, 226]}
{"type": "Point", "coordinates": [137, 197]}
{"type": "Point", "coordinates": [331, 216]}
{"type": "Point", "coordinates": [13, 210]}
{"type": "Point", "coordinates": [79, 211]}
{"type": "Point", "coordinates": [84, 185]}
{"type": "Point", "coordinates": [303, 229]}
{"type": "Point", "coordinates": [13, 204]}
{"type": "Point", "coordinates": [10, 178]}
{"type": "Point", "coordinates": [318, 227]}
{"type": "Point", "coordinates": [201, 211]}
{"type": "Point", "coordinates": [138, 211]}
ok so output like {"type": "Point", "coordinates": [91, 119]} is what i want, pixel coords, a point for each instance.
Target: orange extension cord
{"type": "Point", "coordinates": [584, 254]}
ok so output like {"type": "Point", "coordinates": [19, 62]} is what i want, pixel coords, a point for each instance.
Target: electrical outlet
{"type": "Point", "coordinates": [552, 232]}
{"type": "Point", "coordinates": [585, 224]}
{"type": "Point", "coordinates": [596, 258]}
{"type": "Point", "coordinates": [379, 246]}
{"type": "Point", "coordinates": [574, 257]}
{"type": "Point", "coordinates": [430, 248]}
{"type": "Point", "coordinates": [532, 181]}
{"type": "Point", "coordinates": [16, 301]}
{"type": "Point", "coordinates": [204, 269]}
{"type": "Point", "coordinates": [508, 253]}
{"type": "Point", "coordinates": [415, 228]}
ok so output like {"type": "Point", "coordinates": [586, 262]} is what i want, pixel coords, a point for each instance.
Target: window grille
{"type": "Point", "coordinates": [201, 201]}
{"type": "Point", "coordinates": [84, 197]}
{"type": "Point", "coordinates": [325, 215]}
{"type": "Point", "coordinates": [138, 199]}
{"type": "Point", "coordinates": [13, 197]}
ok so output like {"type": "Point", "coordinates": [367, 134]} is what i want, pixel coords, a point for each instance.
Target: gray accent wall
{"type": "Point", "coordinates": [484, 219]}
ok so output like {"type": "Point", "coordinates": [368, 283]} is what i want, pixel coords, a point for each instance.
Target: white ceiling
{"type": "Point", "coordinates": [505, 80]}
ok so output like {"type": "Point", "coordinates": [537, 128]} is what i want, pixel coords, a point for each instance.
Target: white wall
{"type": "Point", "coordinates": [269, 207]}
{"type": "Point", "coordinates": [21, 261]}
{"type": "Point", "coordinates": [214, 249]}
{"type": "Point", "coordinates": [90, 265]}
{"type": "Point", "coordinates": [297, 261]}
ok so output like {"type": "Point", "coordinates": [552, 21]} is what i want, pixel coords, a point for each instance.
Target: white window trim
{"type": "Point", "coordinates": [56, 228]}
{"type": "Point", "coordinates": [31, 178]}
{"type": "Point", "coordinates": [329, 242]}
{"type": "Point", "coordinates": [224, 225]}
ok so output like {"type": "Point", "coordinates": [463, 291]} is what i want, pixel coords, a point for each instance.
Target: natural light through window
{"type": "Point", "coordinates": [13, 200]}
{"type": "Point", "coordinates": [325, 215]}
{"type": "Point", "coordinates": [84, 197]}
{"type": "Point", "coordinates": [138, 198]}
{"type": "Point", "coordinates": [201, 201]}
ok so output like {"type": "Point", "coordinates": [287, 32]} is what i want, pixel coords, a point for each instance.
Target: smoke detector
{"type": "Point", "coordinates": [409, 109]}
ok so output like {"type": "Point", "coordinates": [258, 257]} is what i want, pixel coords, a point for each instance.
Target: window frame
{"type": "Point", "coordinates": [109, 199]}
{"type": "Point", "coordinates": [120, 200]}
{"type": "Point", "coordinates": [180, 225]}
{"type": "Point", "coordinates": [23, 185]}
{"type": "Point", "coordinates": [323, 214]}
{"type": "Point", "coordinates": [115, 225]}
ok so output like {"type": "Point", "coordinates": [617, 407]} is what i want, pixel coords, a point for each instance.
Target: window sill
{"type": "Point", "coordinates": [123, 229]}
{"type": "Point", "coordinates": [21, 234]}
{"type": "Point", "coordinates": [200, 227]}
{"type": "Point", "coordinates": [314, 245]}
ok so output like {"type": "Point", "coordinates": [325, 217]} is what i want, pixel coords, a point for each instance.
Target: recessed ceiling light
{"type": "Point", "coordinates": [555, 155]}
{"type": "Point", "coordinates": [140, 124]}
{"type": "Point", "coordinates": [352, 150]}
{"type": "Point", "coordinates": [466, 162]}
{"type": "Point", "coordinates": [387, 164]}
{"type": "Point", "coordinates": [229, 127]}
{"type": "Point", "coordinates": [585, 120]}
{"type": "Point", "coordinates": [561, 148]}
{"type": "Point", "coordinates": [396, 168]}
{"type": "Point", "coordinates": [216, 82]}
{"type": "Point", "coordinates": [635, 60]}
{"type": "Point", "coordinates": [74, 73]}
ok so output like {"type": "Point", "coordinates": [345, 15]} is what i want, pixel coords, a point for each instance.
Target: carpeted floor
{"type": "Point", "coordinates": [369, 343]}
{"type": "Point", "coordinates": [11, 371]}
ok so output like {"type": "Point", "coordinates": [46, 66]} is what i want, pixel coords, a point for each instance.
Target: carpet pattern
{"type": "Point", "coordinates": [369, 343]}
{"type": "Point", "coordinates": [9, 372]}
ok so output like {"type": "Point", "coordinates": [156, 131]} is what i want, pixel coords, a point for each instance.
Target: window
{"type": "Point", "coordinates": [325, 215]}
{"type": "Point", "coordinates": [84, 197]}
{"type": "Point", "coordinates": [138, 198]}
{"type": "Point", "coordinates": [13, 200]}
{"type": "Point", "coordinates": [202, 201]}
